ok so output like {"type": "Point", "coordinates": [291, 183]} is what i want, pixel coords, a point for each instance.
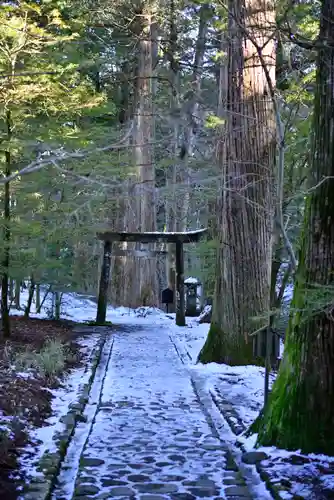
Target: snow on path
{"type": "Point", "coordinates": [150, 436]}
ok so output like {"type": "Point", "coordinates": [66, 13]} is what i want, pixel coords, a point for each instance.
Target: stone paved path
{"type": "Point", "coordinates": [150, 438]}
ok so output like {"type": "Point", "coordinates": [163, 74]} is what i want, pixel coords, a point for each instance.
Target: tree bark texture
{"type": "Point", "coordinates": [147, 287]}
{"type": "Point", "coordinates": [242, 295]}
{"type": "Point", "coordinates": [300, 413]}
{"type": "Point", "coordinates": [135, 280]}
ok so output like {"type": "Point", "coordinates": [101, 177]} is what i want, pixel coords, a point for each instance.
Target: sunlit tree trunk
{"type": "Point", "coordinates": [147, 286]}
{"type": "Point", "coordinates": [242, 296]}
{"type": "Point", "coordinates": [300, 412]}
{"type": "Point", "coordinates": [134, 280]}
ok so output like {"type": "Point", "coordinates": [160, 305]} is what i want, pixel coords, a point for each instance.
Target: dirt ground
{"type": "Point", "coordinates": [26, 398]}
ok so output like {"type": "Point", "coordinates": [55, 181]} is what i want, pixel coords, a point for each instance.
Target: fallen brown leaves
{"type": "Point", "coordinates": [25, 400]}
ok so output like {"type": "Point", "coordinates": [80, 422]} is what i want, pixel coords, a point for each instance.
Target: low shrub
{"type": "Point", "coordinates": [49, 361]}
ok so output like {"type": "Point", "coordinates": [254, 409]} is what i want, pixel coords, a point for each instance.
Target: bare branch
{"type": "Point", "coordinates": [61, 156]}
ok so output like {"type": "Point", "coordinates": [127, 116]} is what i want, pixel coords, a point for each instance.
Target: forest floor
{"type": "Point", "coordinates": [28, 377]}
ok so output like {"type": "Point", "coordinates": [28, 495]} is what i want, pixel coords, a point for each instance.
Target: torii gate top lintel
{"type": "Point", "coordinates": [179, 239]}
{"type": "Point", "coordinates": [151, 237]}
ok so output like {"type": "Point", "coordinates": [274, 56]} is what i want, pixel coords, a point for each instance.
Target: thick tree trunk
{"type": "Point", "coordinates": [242, 296]}
{"type": "Point", "coordinates": [136, 281]}
{"type": "Point", "coordinates": [300, 413]}
{"type": "Point", "coordinates": [144, 160]}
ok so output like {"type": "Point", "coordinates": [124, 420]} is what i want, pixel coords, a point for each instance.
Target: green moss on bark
{"type": "Point", "coordinates": [291, 420]}
{"type": "Point", "coordinates": [220, 348]}
{"type": "Point", "coordinates": [300, 410]}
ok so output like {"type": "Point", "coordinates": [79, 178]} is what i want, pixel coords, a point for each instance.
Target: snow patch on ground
{"type": "Point", "coordinates": [81, 309]}
{"type": "Point", "coordinates": [42, 438]}
{"type": "Point", "coordinates": [242, 386]}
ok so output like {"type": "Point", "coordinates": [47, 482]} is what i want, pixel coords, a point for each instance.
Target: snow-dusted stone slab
{"type": "Point", "coordinates": [68, 408]}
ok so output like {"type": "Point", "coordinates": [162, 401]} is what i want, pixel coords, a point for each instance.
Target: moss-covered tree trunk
{"type": "Point", "coordinates": [247, 161]}
{"type": "Point", "coordinates": [300, 413]}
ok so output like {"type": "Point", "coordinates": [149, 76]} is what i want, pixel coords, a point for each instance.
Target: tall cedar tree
{"type": "Point", "coordinates": [300, 412]}
{"type": "Point", "coordinates": [242, 292]}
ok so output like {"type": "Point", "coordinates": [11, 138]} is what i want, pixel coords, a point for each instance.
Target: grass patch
{"type": "Point", "coordinates": [50, 361]}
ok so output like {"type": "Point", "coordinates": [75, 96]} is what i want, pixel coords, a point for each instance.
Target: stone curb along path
{"type": "Point", "coordinates": [237, 427]}
{"type": "Point", "coordinates": [254, 458]}
{"type": "Point", "coordinates": [49, 465]}
{"type": "Point", "coordinates": [226, 422]}
{"type": "Point", "coordinates": [234, 480]}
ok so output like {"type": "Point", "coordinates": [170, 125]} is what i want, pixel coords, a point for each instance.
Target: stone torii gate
{"type": "Point", "coordinates": [179, 239]}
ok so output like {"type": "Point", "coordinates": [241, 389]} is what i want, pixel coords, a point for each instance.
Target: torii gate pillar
{"type": "Point", "coordinates": [180, 305]}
